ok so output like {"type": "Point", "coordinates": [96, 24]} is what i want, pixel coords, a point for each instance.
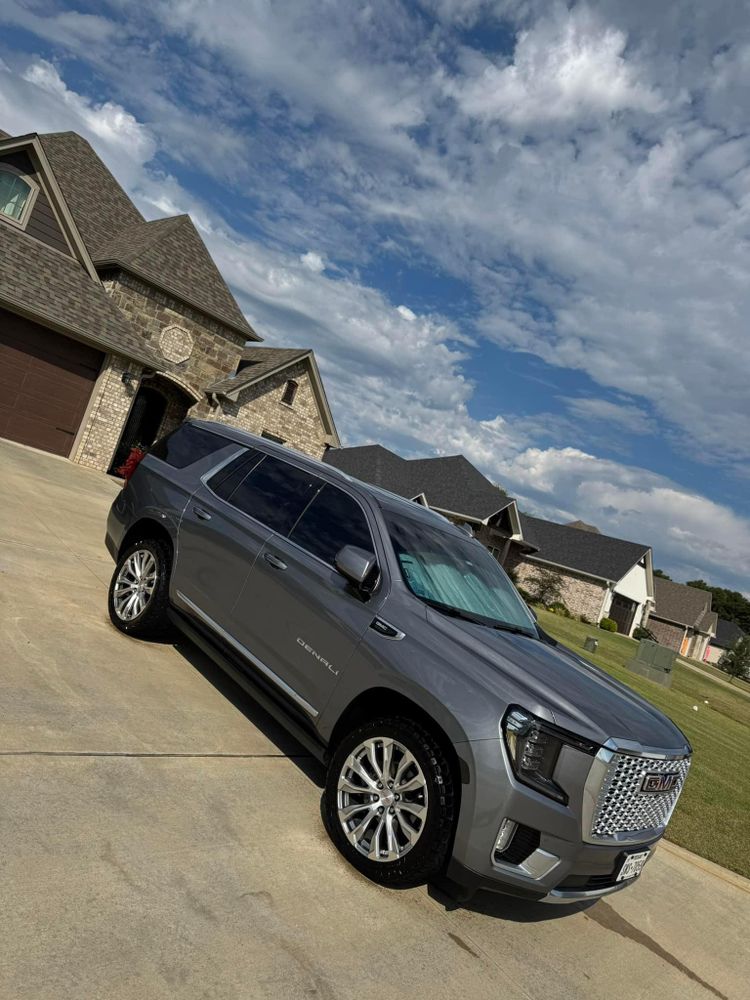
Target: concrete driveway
{"type": "Point", "coordinates": [160, 837]}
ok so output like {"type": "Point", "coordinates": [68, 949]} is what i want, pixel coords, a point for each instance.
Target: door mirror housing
{"type": "Point", "coordinates": [356, 565]}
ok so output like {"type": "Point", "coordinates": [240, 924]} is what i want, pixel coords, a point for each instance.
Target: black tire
{"type": "Point", "coordinates": [152, 622]}
{"type": "Point", "coordinates": [428, 856]}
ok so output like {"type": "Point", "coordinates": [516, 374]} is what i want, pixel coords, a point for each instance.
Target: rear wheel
{"type": "Point", "coordinates": [389, 802]}
{"type": "Point", "coordinates": [139, 591]}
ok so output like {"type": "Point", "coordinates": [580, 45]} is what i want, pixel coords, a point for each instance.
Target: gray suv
{"type": "Point", "coordinates": [463, 745]}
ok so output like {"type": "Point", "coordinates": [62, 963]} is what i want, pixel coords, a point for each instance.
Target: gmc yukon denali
{"type": "Point", "coordinates": [462, 743]}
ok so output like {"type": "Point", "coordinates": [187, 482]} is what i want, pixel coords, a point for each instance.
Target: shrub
{"type": "Point", "coordinates": [584, 620]}
{"type": "Point", "coordinates": [736, 662]}
{"type": "Point", "coordinates": [643, 633]}
{"type": "Point", "coordinates": [545, 587]}
{"type": "Point", "coordinates": [525, 595]}
{"type": "Point", "coordinates": [608, 624]}
{"type": "Point", "coordinates": [558, 608]}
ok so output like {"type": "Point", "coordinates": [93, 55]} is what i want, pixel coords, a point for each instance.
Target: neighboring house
{"type": "Point", "coordinates": [277, 393]}
{"type": "Point", "coordinates": [451, 486]}
{"type": "Point", "coordinates": [727, 634]}
{"type": "Point", "coordinates": [601, 576]}
{"type": "Point", "coordinates": [112, 328]}
{"type": "Point", "coordinates": [682, 618]}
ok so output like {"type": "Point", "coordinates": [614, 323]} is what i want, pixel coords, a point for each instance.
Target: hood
{"type": "Point", "coordinates": [556, 683]}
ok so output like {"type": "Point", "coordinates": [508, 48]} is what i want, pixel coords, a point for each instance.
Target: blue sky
{"type": "Point", "coordinates": [517, 230]}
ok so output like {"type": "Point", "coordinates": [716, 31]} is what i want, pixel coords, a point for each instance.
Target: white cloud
{"type": "Point", "coordinates": [569, 65]}
{"type": "Point", "coordinates": [604, 411]}
{"type": "Point", "coordinates": [39, 101]}
{"type": "Point", "coordinates": [407, 313]}
{"type": "Point", "coordinates": [313, 261]}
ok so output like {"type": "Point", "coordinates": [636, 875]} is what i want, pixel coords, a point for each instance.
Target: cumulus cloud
{"type": "Point", "coordinates": [569, 65]}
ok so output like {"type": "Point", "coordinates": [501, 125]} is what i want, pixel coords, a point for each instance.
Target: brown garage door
{"type": "Point", "coordinates": [45, 383]}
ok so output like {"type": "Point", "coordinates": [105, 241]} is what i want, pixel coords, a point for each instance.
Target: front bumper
{"type": "Point", "coordinates": [560, 867]}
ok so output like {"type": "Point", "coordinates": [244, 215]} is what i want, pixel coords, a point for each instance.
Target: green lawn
{"type": "Point", "coordinates": [713, 815]}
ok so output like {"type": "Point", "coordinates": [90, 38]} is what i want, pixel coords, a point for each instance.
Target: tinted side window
{"type": "Point", "coordinates": [275, 493]}
{"type": "Point", "coordinates": [332, 521]}
{"type": "Point", "coordinates": [186, 445]}
{"type": "Point", "coordinates": [224, 482]}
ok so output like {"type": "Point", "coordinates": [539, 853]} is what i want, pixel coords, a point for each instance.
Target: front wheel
{"type": "Point", "coordinates": [389, 802]}
{"type": "Point", "coordinates": [139, 591]}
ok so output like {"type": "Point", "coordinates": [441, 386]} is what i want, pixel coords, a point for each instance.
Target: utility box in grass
{"type": "Point", "coordinates": [654, 662]}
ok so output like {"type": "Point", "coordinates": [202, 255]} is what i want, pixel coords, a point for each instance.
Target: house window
{"type": "Point", "coordinates": [272, 437]}
{"type": "Point", "coordinates": [16, 194]}
{"type": "Point", "coordinates": [290, 391]}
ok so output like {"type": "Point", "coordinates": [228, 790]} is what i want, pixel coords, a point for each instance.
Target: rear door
{"type": "Point", "coordinates": [297, 613]}
{"type": "Point", "coordinates": [217, 545]}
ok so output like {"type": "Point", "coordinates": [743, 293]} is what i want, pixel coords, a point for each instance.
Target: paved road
{"type": "Point", "coordinates": [160, 837]}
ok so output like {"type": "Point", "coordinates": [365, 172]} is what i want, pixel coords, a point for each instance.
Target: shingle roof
{"type": "Point", "coordinates": [450, 484]}
{"type": "Point", "coordinates": [55, 290]}
{"type": "Point", "coordinates": [166, 252]}
{"type": "Point", "coordinates": [261, 362]}
{"type": "Point", "coordinates": [586, 551]}
{"type": "Point", "coordinates": [96, 201]}
{"type": "Point", "coordinates": [727, 633]}
{"type": "Point", "coordinates": [678, 603]}
{"type": "Point", "coordinates": [708, 623]}
{"type": "Point", "coordinates": [170, 253]}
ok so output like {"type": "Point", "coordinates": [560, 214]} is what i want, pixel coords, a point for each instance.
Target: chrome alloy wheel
{"type": "Point", "coordinates": [382, 799]}
{"type": "Point", "coordinates": [134, 585]}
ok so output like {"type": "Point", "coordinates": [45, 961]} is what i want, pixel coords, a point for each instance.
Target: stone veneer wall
{"type": "Point", "coordinates": [580, 595]}
{"type": "Point", "coordinates": [666, 633]}
{"type": "Point", "coordinates": [259, 408]}
{"type": "Point", "coordinates": [216, 348]}
{"type": "Point", "coordinates": [106, 414]}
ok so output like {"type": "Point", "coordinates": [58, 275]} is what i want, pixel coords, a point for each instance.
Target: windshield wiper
{"type": "Point", "coordinates": [467, 616]}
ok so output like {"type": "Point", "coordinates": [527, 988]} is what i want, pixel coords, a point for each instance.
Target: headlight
{"type": "Point", "coordinates": [534, 746]}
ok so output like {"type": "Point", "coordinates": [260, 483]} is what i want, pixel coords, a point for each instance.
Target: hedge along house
{"type": "Point", "coordinates": [682, 618]}
{"type": "Point", "coordinates": [452, 486]}
{"type": "Point", "coordinates": [113, 328]}
{"type": "Point", "coordinates": [600, 576]}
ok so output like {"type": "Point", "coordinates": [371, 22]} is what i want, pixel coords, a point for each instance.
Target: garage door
{"type": "Point", "coordinates": [45, 383]}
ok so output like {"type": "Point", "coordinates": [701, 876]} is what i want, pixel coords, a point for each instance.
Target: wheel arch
{"type": "Point", "coordinates": [379, 701]}
{"type": "Point", "coordinates": [145, 527]}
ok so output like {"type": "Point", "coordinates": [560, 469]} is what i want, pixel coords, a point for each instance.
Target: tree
{"type": "Point", "coordinates": [546, 587]}
{"type": "Point", "coordinates": [662, 574]}
{"type": "Point", "coordinates": [728, 604]}
{"type": "Point", "coordinates": [736, 662]}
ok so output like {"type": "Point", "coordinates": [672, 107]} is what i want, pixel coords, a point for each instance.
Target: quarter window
{"type": "Point", "coordinates": [332, 521]}
{"type": "Point", "coordinates": [15, 194]}
{"type": "Point", "coordinates": [187, 445]}
{"type": "Point", "coordinates": [275, 493]}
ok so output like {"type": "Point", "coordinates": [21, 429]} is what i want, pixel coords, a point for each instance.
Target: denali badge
{"type": "Point", "coordinates": [655, 782]}
{"type": "Point", "coordinates": [308, 649]}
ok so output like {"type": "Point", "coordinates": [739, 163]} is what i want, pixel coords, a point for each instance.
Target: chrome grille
{"type": "Point", "coordinates": [623, 808]}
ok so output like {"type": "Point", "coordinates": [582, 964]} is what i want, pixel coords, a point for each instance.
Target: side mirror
{"type": "Point", "coordinates": [355, 564]}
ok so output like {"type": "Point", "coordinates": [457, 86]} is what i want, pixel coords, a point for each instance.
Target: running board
{"type": "Point", "coordinates": [256, 690]}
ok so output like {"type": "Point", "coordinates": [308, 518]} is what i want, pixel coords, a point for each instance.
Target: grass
{"type": "Point", "coordinates": [712, 818]}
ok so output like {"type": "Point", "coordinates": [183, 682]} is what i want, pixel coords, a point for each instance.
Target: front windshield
{"type": "Point", "coordinates": [441, 568]}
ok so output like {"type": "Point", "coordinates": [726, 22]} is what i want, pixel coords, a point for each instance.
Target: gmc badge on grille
{"type": "Point", "coordinates": [655, 782]}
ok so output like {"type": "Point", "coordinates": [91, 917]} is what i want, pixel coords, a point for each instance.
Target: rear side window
{"type": "Point", "coordinates": [186, 445]}
{"type": "Point", "coordinates": [332, 521]}
{"type": "Point", "coordinates": [275, 493]}
{"type": "Point", "coordinates": [224, 482]}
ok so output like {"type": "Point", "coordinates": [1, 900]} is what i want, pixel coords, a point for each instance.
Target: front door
{"type": "Point", "coordinates": [296, 611]}
{"type": "Point", "coordinates": [142, 425]}
{"type": "Point", "coordinates": [622, 610]}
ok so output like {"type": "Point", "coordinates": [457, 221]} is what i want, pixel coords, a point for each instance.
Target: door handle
{"type": "Point", "coordinates": [274, 561]}
{"type": "Point", "coordinates": [202, 514]}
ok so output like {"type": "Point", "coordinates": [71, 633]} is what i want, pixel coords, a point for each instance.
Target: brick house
{"type": "Point", "coordinates": [113, 328]}
{"type": "Point", "coordinates": [682, 618]}
{"type": "Point", "coordinates": [600, 576]}
{"type": "Point", "coordinates": [452, 486]}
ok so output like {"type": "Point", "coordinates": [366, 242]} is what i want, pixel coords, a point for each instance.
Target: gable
{"type": "Point", "coordinates": [42, 222]}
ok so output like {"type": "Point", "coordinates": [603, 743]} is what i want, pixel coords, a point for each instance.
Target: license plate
{"type": "Point", "coordinates": [632, 866]}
